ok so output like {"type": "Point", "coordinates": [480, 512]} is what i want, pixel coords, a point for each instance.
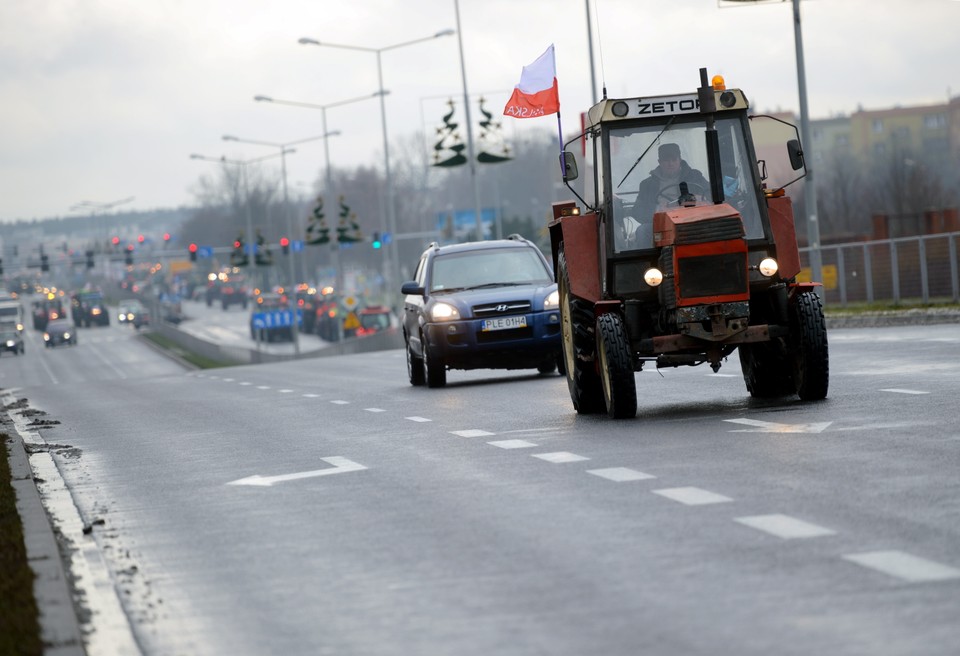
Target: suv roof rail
{"type": "Point", "coordinates": [433, 244]}
{"type": "Point", "coordinates": [516, 237]}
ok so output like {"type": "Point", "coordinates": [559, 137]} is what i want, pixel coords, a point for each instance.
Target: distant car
{"type": "Point", "coordinates": [481, 305]}
{"type": "Point", "coordinates": [373, 319]}
{"type": "Point", "coordinates": [45, 310]}
{"type": "Point", "coordinates": [59, 332]}
{"type": "Point", "coordinates": [270, 302]}
{"type": "Point", "coordinates": [132, 313]}
{"type": "Point", "coordinates": [89, 308]}
{"type": "Point", "coordinates": [11, 341]}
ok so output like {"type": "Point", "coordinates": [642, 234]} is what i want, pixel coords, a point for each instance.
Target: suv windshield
{"type": "Point", "coordinates": [488, 268]}
{"type": "Point", "coordinates": [648, 163]}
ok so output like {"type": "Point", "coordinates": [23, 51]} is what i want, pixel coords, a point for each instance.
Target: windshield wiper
{"type": "Point", "coordinates": [496, 284]}
{"type": "Point", "coordinates": [643, 154]}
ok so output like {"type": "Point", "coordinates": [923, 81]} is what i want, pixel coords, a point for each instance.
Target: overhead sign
{"type": "Point", "coordinates": [296, 245]}
{"type": "Point", "coordinates": [273, 319]}
{"type": "Point", "coordinates": [205, 251]}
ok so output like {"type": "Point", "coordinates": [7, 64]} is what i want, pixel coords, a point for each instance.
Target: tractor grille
{"type": "Point", "coordinates": [500, 309]}
{"type": "Point", "coordinates": [722, 229]}
{"type": "Point", "coordinates": [712, 275]}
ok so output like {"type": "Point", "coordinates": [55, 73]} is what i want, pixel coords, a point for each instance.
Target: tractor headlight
{"type": "Point", "coordinates": [768, 266]}
{"type": "Point", "coordinates": [552, 300]}
{"type": "Point", "coordinates": [653, 277]}
{"type": "Point", "coordinates": [444, 312]}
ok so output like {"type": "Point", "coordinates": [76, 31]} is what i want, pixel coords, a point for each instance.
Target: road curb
{"type": "Point", "coordinates": [920, 317]}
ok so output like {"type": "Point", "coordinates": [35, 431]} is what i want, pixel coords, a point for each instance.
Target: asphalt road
{"type": "Point", "coordinates": [325, 506]}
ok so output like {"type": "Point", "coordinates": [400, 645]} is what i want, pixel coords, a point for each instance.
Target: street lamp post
{"type": "Point", "coordinates": [243, 164]}
{"type": "Point", "coordinates": [286, 206]}
{"type": "Point", "coordinates": [394, 261]}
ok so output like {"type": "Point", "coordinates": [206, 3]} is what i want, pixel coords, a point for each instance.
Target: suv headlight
{"type": "Point", "coordinates": [552, 301]}
{"type": "Point", "coordinates": [444, 312]}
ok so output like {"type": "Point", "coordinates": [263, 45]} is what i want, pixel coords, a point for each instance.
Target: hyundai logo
{"type": "Point", "coordinates": [503, 307]}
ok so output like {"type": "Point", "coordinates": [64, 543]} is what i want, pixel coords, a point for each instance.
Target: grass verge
{"type": "Point", "coordinates": [19, 623]}
{"type": "Point", "coordinates": [198, 361]}
{"type": "Point", "coordinates": [889, 306]}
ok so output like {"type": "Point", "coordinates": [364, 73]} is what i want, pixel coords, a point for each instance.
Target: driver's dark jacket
{"type": "Point", "coordinates": [650, 188]}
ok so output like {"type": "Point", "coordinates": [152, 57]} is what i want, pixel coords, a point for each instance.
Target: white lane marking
{"type": "Point", "coordinates": [285, 391]}
{"type": "Point", "coordinates": [472, 432]}
{"type": "Point", "coordinates": [422, 420]}
{"type": "Point", "coordinates": [374, 409]}
{"type": "Point", "coordinates": [535, 430]}
{"type": "Point", "coordinates": [513, 444]}
{"type": "Point", "coordinates": [339, 402]}
{"type": "Point", "coordinates": [771, 427]}
{"type": "Point", "coordinates": [246, 383]}
{"type": "Point", "coordinates": [903, 391]}
{"type": "Point", "coordinates": [340, 466]}
{"type": "Point", "coordinates": [620, 474]}
{"type": "Point", "coordinates": [904, 566]}
{"type": "Point", "coordinates": [692, 496]}
{"type": "Point", "coordinates": [784, 526]}
{"type": "Point", "coordinates": [723, 375]}
{"type": "Point", "coordinates": [311, 396]}
{"type": "Point", "coordinates": [228, 380]}
{"type": "Point", "coordinates": [46, 366]}
{"type": "Point", "coordinates": [263, 387]}
{"type": "Point", "coordinates": [109, 363]}
{"type": "Point", "coordinates": [560, 457]}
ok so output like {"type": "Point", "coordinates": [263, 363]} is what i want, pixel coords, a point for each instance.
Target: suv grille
{"type": "Point", "coordinates": [500, 309]}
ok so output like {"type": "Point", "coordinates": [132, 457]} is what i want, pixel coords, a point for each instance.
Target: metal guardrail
{"type": "Point", "coordinates": [923, 268]}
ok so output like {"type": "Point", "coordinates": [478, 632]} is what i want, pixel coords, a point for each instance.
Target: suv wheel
{"type": "Point", "coordinates": [415, 369]}
{"type": "Point", "coordinates": [434, 372]}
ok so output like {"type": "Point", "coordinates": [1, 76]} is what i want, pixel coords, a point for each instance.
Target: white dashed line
{"type": "Point", "coordinates": [472, 432]}
{"type": "Point", "coordinates": [904, 566]}
{"type": "Point", "coordinates": [560, 457]}
{"type": "Point", "coordinates": [246, 383]}
{"type": "Point", "coordinates": [903, 391]}
{"type": "Point", "coordinates": [784, 526]}
{"type": "Point", "coordinates": [374, 409]}
{"type": "Point", "coordinates": [228, 380]}
{"type": "Point", "coordinates": [285, 391]}
{"type": "Point", "coordinates": [263, 387]}
{"type": "Point", "coordinates": [620, 474]}
{"type": "Point", "coordinates": [692, 496]}
{"type": "Point", "coordinates": [311, 396]}
{"type": "Point", "coordinates": [422, 420]}
{"type": "Point", "coordinates": [339, 402]}
{"type": "Point", "coordinates": [513, 444]}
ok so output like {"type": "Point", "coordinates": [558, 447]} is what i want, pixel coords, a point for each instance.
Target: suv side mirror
{"type": "Point", "coordinates": [568, 166]}
{"type": "Point", "coordinates": [411, 288]}
{"type": "Point", "coordinates": [795, 153]}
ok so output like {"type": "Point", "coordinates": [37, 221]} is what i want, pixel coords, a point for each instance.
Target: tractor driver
{"type": "Point", "coordinates": [662, 188]}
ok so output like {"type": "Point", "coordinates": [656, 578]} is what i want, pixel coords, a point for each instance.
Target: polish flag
{"type": "Point", "coordinates": [537, 93]}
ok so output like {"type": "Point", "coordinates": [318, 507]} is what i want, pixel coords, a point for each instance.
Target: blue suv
{"type": "Point", "coordinates": [481, 305]}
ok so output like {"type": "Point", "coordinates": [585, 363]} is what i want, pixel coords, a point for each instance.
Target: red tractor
{"type": "Point", "coordinates": [685, 251]}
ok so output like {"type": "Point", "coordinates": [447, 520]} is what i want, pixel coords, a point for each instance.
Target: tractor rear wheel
{"type": "Point", "coordinates": [616, 367]}
{"type": "Point", "coordinates": [579, 345]}
{"type": "Point", "coordinates": [766, 370]}
{"type": "Point", "coordinates": [811, 362]}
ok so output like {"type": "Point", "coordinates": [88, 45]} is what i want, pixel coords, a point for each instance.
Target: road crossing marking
{"type": "Point", "coordinates": [692, 496]}
{"type": "Point", "coordinates": [513, 444]}
{"type": "Point", "coordinates": [560, 457]}
{"type": "Point", "coordinates": [903, 391]}
{"type": "Point", "coordinates": [285, 391]}
{"type": "Point", "coordinates": [311, 396]}
{"type": "Point", "coordinates": [263, 387]}
{"type": "Point", "coordinates": [471, 432]}
{"type": "Point", "coordinates": [784, 526]}
{"type": "Point", "coordinates": [374, 409]}
{"type": "Point", "coordinates": [339, 402]}
{"type": "Point", "coordinates": [245, 383]}
{"type": "Point", "coordinates": [422, 420]}
{"type": "Point", "coordinates": [620, 474]}
{"type": "Point", "coordinates": [902, 565]}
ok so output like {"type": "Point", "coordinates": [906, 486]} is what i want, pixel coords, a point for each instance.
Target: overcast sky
{"type": "Point", "coordinates": [102, 100]}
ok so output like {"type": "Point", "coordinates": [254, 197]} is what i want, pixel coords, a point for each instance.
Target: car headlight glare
{"type": "Point", "coordinates": [66, 335]}
{"type": "Point", "coordinates": [768, 266]}
{"type": "Point", "coordinates": [653, 277]}
{"type": "Point", "coordinates": [552, 300]}
{"type": "Point", "coordinates": [444, 312]}
{"type": "Point", "coordinates": [10, 342]}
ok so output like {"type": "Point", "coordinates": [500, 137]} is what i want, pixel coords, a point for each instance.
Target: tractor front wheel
{"type": "Point", "coordinates": [579, 345]}
{"type": "Point", "coordinates": [811, 362]}
{"type": "Point", "coordinates": [616, 367]}
{"type": "Point", "coordinates": [767, 371]}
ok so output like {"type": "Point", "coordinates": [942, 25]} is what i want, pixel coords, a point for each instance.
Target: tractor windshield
{"type": "Point", "coordinates": [651, 167]}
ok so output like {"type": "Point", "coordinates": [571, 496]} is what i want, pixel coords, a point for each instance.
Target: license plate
{"type": "Point", "coordinates": [504, 323]}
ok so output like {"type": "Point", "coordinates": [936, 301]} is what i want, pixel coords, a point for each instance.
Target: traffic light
{"type": "Point", "coordinates": [44, 262]}
{"type": "Point", "coordinates": [375, 240]}
{"type": "Point", "coordinates": [263, 255]}
{"type": "Point", "coordinates": [285, 245]}
{"type": "Point", "coordinates": [141, 238]}
{"type": "Point", "coordinates": [89, 255]}
{"type": "Point", "coordinates": [193, 252]}
{"type": "Point", "coordinates": [238, 257]}
{"type": "Point", "coordinates": [166, 238]}
{"type": "Point", "coordinates": [115, 241]}
{"type": "Point", "coordinates": [128, 256]}
{"type": "Point", "coordinates": [1, 266]}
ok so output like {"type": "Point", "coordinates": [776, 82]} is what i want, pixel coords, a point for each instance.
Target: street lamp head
{"type": "Point", "coordinates": [446, 32]}
{"type": "Point", "coordinates": [333, 133]}
{"type": "Point", "coordinates": [263, 98]}
{"type": "Point", "coordinates": [307, 41]}
{"type": "Point", "coordinates": [195, 156]}
{"type": "Point", "coordinates": [382, 92]}
{"type": "Point", "coordinates": [230, 137]}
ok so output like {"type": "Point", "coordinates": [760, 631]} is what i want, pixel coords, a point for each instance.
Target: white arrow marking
{"type": "Point", "coordinates": [340, 466]}
{"type": "Point", "coordinates": [771, 427]}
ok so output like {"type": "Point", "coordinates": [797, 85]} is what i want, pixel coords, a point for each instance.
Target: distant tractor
{"type": "Point", "coordinates": [682, 263]}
